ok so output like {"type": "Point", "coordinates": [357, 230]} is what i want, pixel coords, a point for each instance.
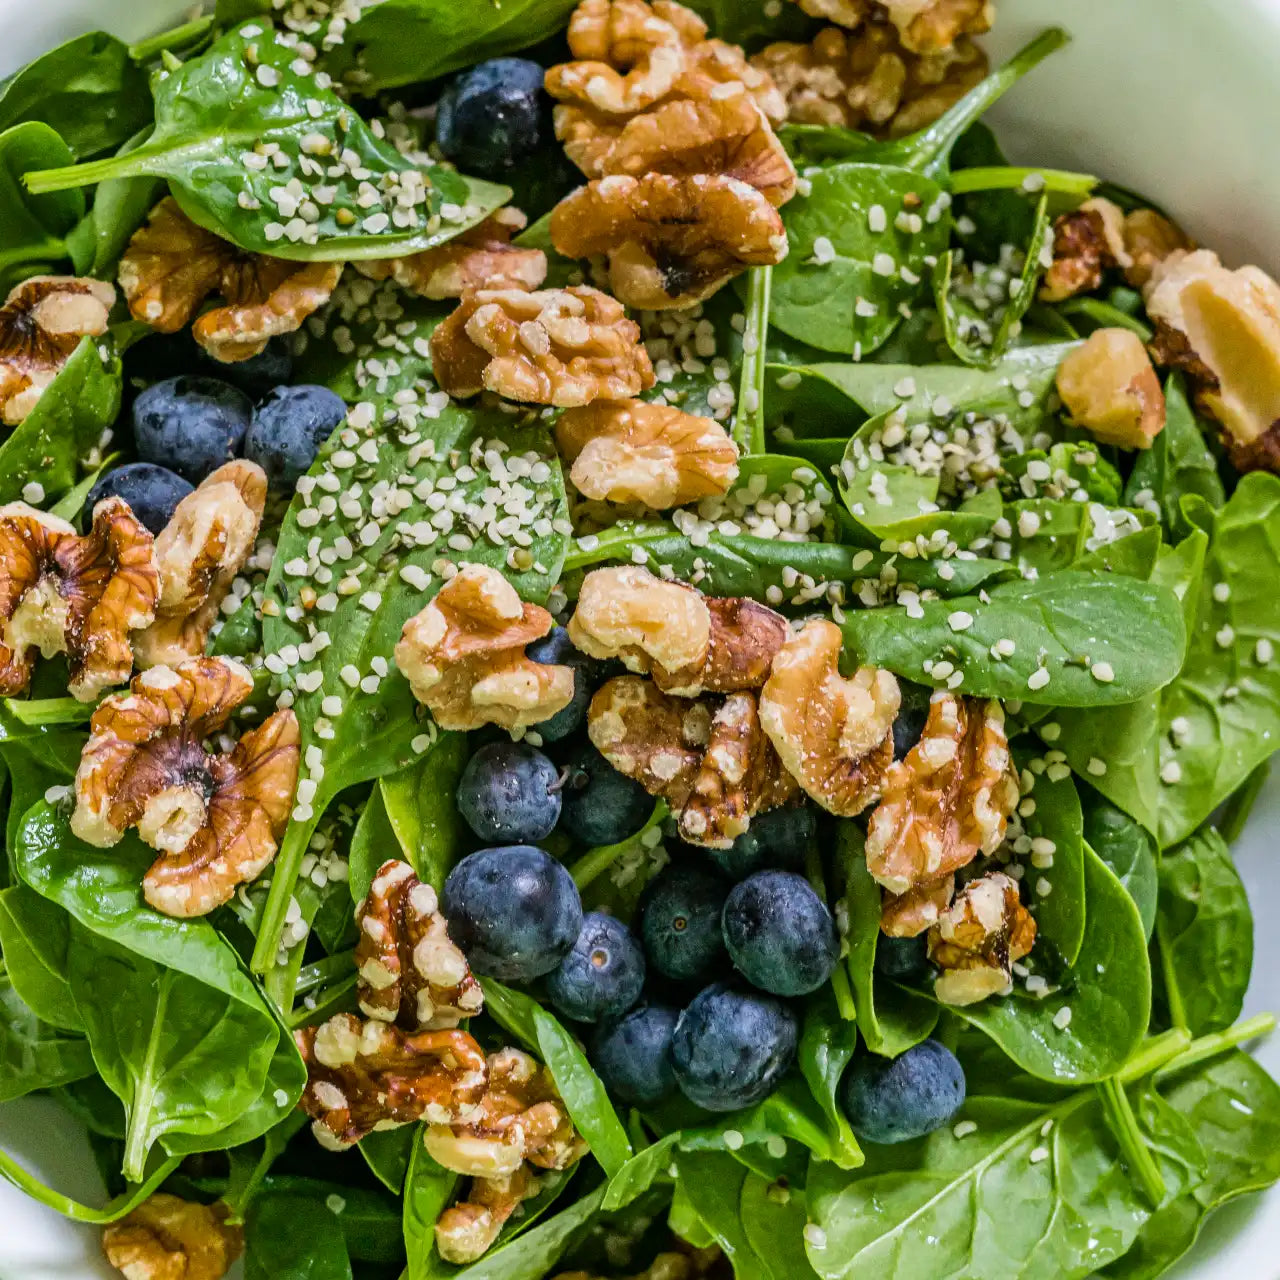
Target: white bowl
{"type": "Point", "coordinates": [1176, 100]}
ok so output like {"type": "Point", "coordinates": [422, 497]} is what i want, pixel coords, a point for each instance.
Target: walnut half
{"type": "Point", "coordinates": [977, 941]}
{"type": "Point", "coordinates": [215, 818]}
{"type": "Point", "coordinates": [166, 1238]}
{"type": "Point", "coordinates": [1110, 389]}
{"type": "Point", "coordinates": [466, 1231]}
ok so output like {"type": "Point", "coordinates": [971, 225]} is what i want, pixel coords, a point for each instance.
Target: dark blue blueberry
{"type": "Point", "coordinates": [896, 1100]}
{"type": "Point", "coordinates": [633, 1057]}
{"type": "Point", "coordinates": [779, 838]}
{"type": "Point", "coordinates": [190, 425]}
{"type": "Point", "coordinates": [514, 911]}
{"type": "Point", "coordinates": [914, 711]}
{"type": "Point", "coordinates": [153, 492]}
{"type": "Point", "coordinates": [603, 976]}
{"type": "Point", "coordinates": [509, 793]}
{"type": "Point", "coordinates": [731, 1047]}
{"type": "Point", "coordinates": [269, 369]}
{"type": "Point", "coordinates": [903, 959]}
{"type": "Point", "coordinates": [601, 805]}
{"type": "Point", "coordinates": [288, 428]}
{"type": "Point", "coordinates": [780, 934]}
{"type": "Point", "coordinates": [494, 116]}
{"type": "Point", "coordinates": [556, 649]}
{"type": "Point", "coordinates": [680, 922]}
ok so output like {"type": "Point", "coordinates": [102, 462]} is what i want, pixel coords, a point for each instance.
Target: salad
{"type": "Point", "coordinates": [623, 653]}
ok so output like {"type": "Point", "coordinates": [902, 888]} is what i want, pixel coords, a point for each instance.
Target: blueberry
{"type": "Point", "coordinates": [509, 793]}
{"type": "Point", "coordinates": [190, 425]}
{"type": "Point", "coordinates": [603, 976]}
{"type": "Point", "coordinates": [780, 934]}
{"type": "Point", "coordinates": [494, 116]}
{"type": "Point", "coordinates": [288, 428]}
{"type": "Point", "coordinates": [601, 805]}
{"type": "Point", "coordinates": [896, 1100]}
{"type": "Point", "coordinates": [731, 1047]}
{"type": "Point", "coordinates": [903, 959]}
{"type": "Point", "coordinates": [779, 838]}
{"type": "Point", "coordinates": [912, 715]}
{"type": "Point", "coordinates": [680, 922]}
{"type": "Point", "coordinates": [270, 368]}
{"type": "Point", "coordinates": [514, 911]}
{"type": "Point", "coordinates": [556, 649]}
{"type": "Point", "coordinates": [633, 1056]}
{"type": "Point", "coordinates": [153, 492]}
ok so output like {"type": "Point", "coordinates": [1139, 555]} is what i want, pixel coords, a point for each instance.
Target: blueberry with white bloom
{"type": "Point", "coordinates": [191, 425]}
{"type": "Point", "coordinates": [780, 934]}
{"type": "Point", "coordinates": [289, 427]}
{"type": "Point", "coordinates": [633, 1055]}
{"type": "Point", "coordinates": [494, 116]}
{"type": "Point", "coordinates": [556, 649]}
{"type": "Point", "coordinates": [509, 793]}
{"type": "Point", "coordinates": [603, 976]}
{"type": "Point", "coordinates": [900, 1099]}
{"type": "Point", "coordinates": [152, 492]}
{"type": "Point", "coordinates": [600, 805]}
{"type": "Point", "coordinates": [778, 839]}
{"type": "Point", "coordinates": [680, 922]}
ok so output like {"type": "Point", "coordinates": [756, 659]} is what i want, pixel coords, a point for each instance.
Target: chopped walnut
{"type": "Point", "coordinates": [834, 735]}
{"type": "Point", "coordinates": [466, 1231]}
{"type": "Point", "coordinates": [166, 1238]}
{"type": "Point", "coordinates": [869, 80]}
{"type": "Point", "coordinates": [1087, 243]}
{"type": "Point", "coordinates": [482, 257]}
{"type": "Point", "coordinates": [216, 818]}
{"type": "Point", "coordinates": [948, 800]}
{"type": "Point", "coordinates": [82, 596]}
{"type": "Point", "coordinates": [689, 643]}
{"type": "Point", "coordinates": [633, 451]}
{"type": "Point", "coordinates": [919, 909]}
{"type": "Point", "coordinates": [925, 26]}
{"type": "Point", "coordinates": [1110, 389]}
{"type": "Point", "coordinates": [410, 971]}
{"type": "Point", "coordinates": [518, 1117]}
{"type": "Point", "coordinates": [1149, 240]}
{"type": "Point", "coordinates": [977, 941]}
{"type": "Point", "coordinates": [713, 766]}
{"type": "Point", "coordinates": [464, 658]}
{"type": "Point", "coordinates": [198, 553]}
{"type": "Point", "coordinates": [172, 265]}
{"type": "Point", "coordinates": [363, 1076]}
{"type": "Point", "coordinates": [562, 347]}
{"type": "Point", "coordinates": [671, 240]}
{"type": "Point", "coordinates": [1222, 328]}
{"type": "Point", "coordinates": [42, 322]}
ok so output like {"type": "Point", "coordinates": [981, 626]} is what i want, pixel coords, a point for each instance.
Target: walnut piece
{"type": "Point", "coordinates": [518, 1117]}
{"type": "Point", "coordinates": [482, 257]}
{"type": "Point", "coordinates": [464, 658]}
{"type": "Point", "coordinates": [1087, 242]}
{"type": "Point", "coordinates": [216, 818]}
{"type": "Point", "coordinates": [671, 240]}
{"type": "Point", "coordinates": [410, 971]}
{"type": "Point", "coordinates": [633, 451]}
{"type": "Point", "coordinates": [1149, 240]}
{"type": "Point", "coordinates": [166, 1238]}
{"type": "Point", "coordinates": [363, 1076]}
{"type": "Point", "coordinates": [977, 941]}
{"type": "Point", "coordinates": [466, 1231]}
{"type": "Point", "coordinates": [198, 553]}
{"type": "Point", "coordinates": [920, 908]}
{"type": "Point", "coordinates": [562, 347]}
{"type": "Point", "coordinates": [1110, 389]}
{"type": "Point", "coordinates": [924, 26]}
{"type": "Point", "coordinates": [834, 736]}
{"type": "Point", "coordinates": [713, 765]}
{"type": "Point", "coordinates": [689, 643]}
{"type": "Point", "coordinates": [172, 265]}
{"type": "Point", "coordinates": [869, 80]}
{"type": "Point", "coordinates": [82, 596]}
{"type": "Point", "coordinates": [42, 322]}
{"type": "Point", "coordinates": [1223, 329]}
{"type": "Point", "coordinates": [948, 800]}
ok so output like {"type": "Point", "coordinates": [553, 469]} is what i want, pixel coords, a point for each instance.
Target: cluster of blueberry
{"type": "Point", "coordinates": [187, 424]}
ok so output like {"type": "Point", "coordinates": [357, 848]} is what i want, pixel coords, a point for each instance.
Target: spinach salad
{"type": "Point", "coordinates": [624, 653]}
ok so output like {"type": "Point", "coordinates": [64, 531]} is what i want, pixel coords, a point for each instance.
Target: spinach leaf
{"type": "Point", "coordinates": [428, 1190]}
{"type": "Point", "coordinates": [1129, 850]}
{"type": "Point", "coordinates": [396, 563]}
{"type": "Point", "coordinates": [388, 1153]}
{"type": "Point", "coordinates": [291, 1237]}
{"type": "Point", "coordinates": [891, 1019]}
{"type": "Point", "coordinates": [1100, 640]}
{"type": "Point", "coordinates": [1204, 929]}
{"type": "Point", "coordinates": [1223, 711]}
{"type": "Point", "coordinates": [34, 934]}
{"type": "Point", "coordinates": [33, 1054]}
{"type": "Point", "coordinates": [89, 90]}
{"type": "Point", "coordinates": [373, 842]}
{"type": "Point", "coordinates": [60, 434]}
{"type": "Point", "coordinates": [1178, 463]}
{"type": "Point", "coordinates": [640, 1173]}
{"type": "Point", "coordinates": [242, 92]}
{"type": "Point", "coordinates": [32, 228]}
{"type": "Point", "coordinates": [421, 808]}
{"type": "Point", "coordinates": [997, 217]}
{"type": "Point", "coordinates": [827, 1045]}
{"type": "Point", "coordinates": [1107, 993]}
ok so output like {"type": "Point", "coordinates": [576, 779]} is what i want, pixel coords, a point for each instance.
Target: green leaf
{"type": "Point", "coordinates": [1103, 640]}
{"type": "Point", "coordinates": [1129, 850]}
{"type": "Point", "coordinates": [640, 1173]}
{"type": "Point", "coordinates": [120, 207]}
{"type": "Point", "coordinates": [1205, 933]}
{"type": "Point", "coordinates": [245, 91]}
{"type": "Point", "coordinates": [428, 1189]}
{"type": "Point", "coordinates": [34, 934]}
{"type": "Point", "coordinates": [32, 228]}
{"type": "Point", "coordinates": [827, 1045]}
{"type": "Point", "coordinates": [291, 1237]}
{"type": "Point", "coordinates": [33, 1054]}
{"type": "Point", "coordinates": [388, 1152]}
{"type": "Point", "coordinates": [421, 808]}
{"type": "Point", "coordinates": [372, 843]}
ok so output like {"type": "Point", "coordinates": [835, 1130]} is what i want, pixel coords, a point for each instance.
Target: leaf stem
{"type": "Point", "coordinates": [840, 986]}
{"type": "Point", "coordinates": [73, 1209]}
{"type": "Point", "coordinates": [595, 862]}
{"type": "Point", "coordinates": [1124, 1124]}
{"type": "Point", "coordinates": [748, 424]}
{"type": "Point", "coordinates": [42, 181]}
{"type": "Point", "coordinates": [1172, 992]}
{"type": "Point", "coordinates": [284, 877]}
{"type": "Point", "coordinates": [1012, 178]}
{"type": "Point", "coordinates": [1220, 1042]}
{"type": "Point", "coordinates": [187, 33]}
{"type": "Point", "coordinates": [36, 712]}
